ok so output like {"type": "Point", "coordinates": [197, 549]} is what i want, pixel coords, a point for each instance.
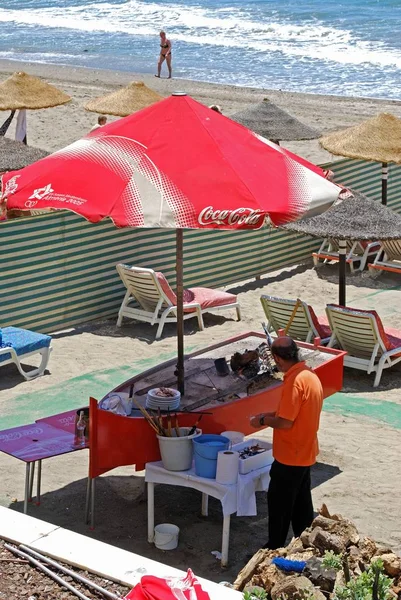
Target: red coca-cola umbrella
{"type": "Point", "coordinates": [176, 164]}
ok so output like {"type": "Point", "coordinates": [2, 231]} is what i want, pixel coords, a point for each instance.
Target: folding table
{"type": "Point", "coordinates": [52, 436]}
{"type": "Point", "coordinates": [237, 498]}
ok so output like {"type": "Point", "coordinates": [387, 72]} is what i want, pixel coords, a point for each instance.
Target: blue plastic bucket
{"type": "Point", "coordinates": [206, 449]}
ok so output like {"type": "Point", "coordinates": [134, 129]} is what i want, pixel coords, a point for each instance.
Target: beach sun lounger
{"type": "Point", "coordinates": [18, 344]}
{"type": "Point", "coordinates": [357, 252]}
{"type": "Point", "coordinates": [304, 327]}
{"type": "Point", "coordinates": [156, 302]}
{"type": "Point", "coordinates": [370, 346]}
{"type": "Point", "coordinates": [388, 259]}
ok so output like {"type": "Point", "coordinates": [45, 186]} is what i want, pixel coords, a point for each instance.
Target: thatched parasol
{"type": "Point", "coordinates": [353, 219]}
{"type": "Point", "coordinates": [15, 155]}
{"type": "Point", "coordinates": [272, 122]}
{"type": "Point", "coordinates": [25, 91]}
{"type": "Point", "coordinates": [377, 139]}
{"type": "Point", "coordinates": [125, 101]}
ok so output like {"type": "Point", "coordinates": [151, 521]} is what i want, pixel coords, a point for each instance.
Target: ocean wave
{"type": "Point", "coordinates": [225, 27]}
{"type": "Point", "coordinates": [38, 57]}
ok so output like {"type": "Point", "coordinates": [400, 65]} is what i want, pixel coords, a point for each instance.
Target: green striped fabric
{"type": "Point", "coordinates": [58, 270]}
{"type": "Point", "coordinates": [366, 178]}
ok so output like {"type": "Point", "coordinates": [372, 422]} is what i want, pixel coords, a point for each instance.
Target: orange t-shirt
{"type": "Point", "coordinates": [301, 402]}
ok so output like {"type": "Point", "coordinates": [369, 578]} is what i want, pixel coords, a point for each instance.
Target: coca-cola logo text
{"type": "Point", "coordinates": [239, 216]}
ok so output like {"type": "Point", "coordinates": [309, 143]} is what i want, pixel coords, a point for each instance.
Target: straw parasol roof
{"type": "Point", "coordinates": [273, 123]}
{"type": "Point", "coordinates": [125, 101]}
{"type": "Point", "coordinates": [25, 91]}
{"type": "Point", "coordinates": [15, 155]}
{"type": "Point", "coordinates": [356, 218]}
{"type": "Point", "coordinates": [377, 139]}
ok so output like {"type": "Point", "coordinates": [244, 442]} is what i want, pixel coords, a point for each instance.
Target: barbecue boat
{"type": "Point", "coordinates": [227, 402]}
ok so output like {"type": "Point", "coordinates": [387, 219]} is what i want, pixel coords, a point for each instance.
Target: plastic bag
{"type": "Point", "coordinates": [117, 403]}
{"type": "Point", "coordinates": [171, 588]}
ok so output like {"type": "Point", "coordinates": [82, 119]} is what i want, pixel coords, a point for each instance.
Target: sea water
{"type": "Point", "coordinates": [343, 47]}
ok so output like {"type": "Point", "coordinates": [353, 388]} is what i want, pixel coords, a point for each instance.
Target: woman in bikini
{"type": "Point", "coordinates": [165, 54]}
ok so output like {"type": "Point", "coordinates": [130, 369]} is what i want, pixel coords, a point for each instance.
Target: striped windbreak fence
{"type": "Point", "coordinates": [58, 270]}
{"type": "Point", "coordinates": [366, 178]}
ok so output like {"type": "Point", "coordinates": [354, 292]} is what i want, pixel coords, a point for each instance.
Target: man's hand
{"type": "Point", "coordinates": [270, 420]}
{"type": "Point", "coordinates": [255, 421]}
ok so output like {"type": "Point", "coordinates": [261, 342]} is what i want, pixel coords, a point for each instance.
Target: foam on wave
{"type": "Point", "coordinates": [224, 27]}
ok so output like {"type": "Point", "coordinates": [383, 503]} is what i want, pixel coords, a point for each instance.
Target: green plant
{"type": "Point", "coordinates": [372, 584]}
{"type": "Point", "coordinates": [331, 560]}
{"type": "Point", "coordinates": [255, 595]}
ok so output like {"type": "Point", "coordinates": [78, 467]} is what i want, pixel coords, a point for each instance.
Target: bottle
{"type": "Point", "coordinates": [81, 426]}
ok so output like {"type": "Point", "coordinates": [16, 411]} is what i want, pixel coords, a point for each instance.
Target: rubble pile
{"type": "Point", "coordinates": [333, 553]}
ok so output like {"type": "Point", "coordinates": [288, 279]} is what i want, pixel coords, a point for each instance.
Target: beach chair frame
{"type": "Point", "coordinates": [16, 359]}
{"type": "Point", "coordinates": [357, 332]}
{"type": "Point", "coordinates": [388, 259]}
{"type": "Point", "coordinates": [356, 253]}
{"type": "Point", "coordinates": [144, 288]}
{"type": "Point", "coordinates": [278, 312]}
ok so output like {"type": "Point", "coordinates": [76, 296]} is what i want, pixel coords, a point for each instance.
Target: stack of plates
{"type": "Point", "coordinates": [154, 402]}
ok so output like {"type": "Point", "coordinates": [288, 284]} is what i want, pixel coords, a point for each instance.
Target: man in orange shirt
{"type": "Point", "coordinates": [295, 444]}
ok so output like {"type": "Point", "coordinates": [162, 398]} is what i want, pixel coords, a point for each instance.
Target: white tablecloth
{"type": "Point", "coordinates": [247, 485]}
{"type": "Point", "coordinates": [238, 498]}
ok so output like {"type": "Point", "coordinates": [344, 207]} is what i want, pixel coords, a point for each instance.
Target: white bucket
{"type": "Point", "coordinates": [166, 536]}
{"type": "Point", "coordinates": [177, 452]}
{"type": "Point", "coordinates": [235, 437]}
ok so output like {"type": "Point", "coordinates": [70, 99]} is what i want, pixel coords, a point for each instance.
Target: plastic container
{"type": "Point", "coordinates": [177, 452]}
{"type": "Point", "coordinates": [166, 536]}
{"type": "Point", "coordinates": [221, 367]}
{"type": "Point", "coordinates": [235, 437]}
{"type": "Point", "coordinates": [252, 463]}
{"type": "Point", "coordinates": [118, 403]}
{"type": "Point", "coordinates": [206, 449]}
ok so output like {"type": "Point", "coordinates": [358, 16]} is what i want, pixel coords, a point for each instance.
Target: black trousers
{"type": "Point", "coordinates": [289, 501]}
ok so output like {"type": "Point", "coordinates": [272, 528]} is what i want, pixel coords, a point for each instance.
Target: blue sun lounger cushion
{"type": "Point", "coordinates": [19, 343]}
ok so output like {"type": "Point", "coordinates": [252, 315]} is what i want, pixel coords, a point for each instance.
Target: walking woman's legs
{"type": "Point", "coordinates": [159, 64]}
{"type": "Point", "coordinates": [168, 61]}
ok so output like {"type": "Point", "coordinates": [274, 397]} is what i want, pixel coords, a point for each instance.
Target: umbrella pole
{"type": "Point", "coordinates": [180, 309]}
{"type": "Point", "coordinates": [342, 251]}
{"type": "Point", "coordinates": [384, 182]}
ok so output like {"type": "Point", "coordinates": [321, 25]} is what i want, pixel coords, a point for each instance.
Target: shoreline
{"type": "Point", "coordinates": [52, 129]}
{"type": "Point", "coordinates": [6, 66]}
{"type": "Point", "coordinates": [9, 65]}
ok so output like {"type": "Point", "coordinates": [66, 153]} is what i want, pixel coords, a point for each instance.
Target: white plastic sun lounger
{"type": "Point", "coordinates": [370, 346]}
{"type": "Point", "coordinates": [156, 302]}
{"type": "Point", "coordinates": [388, 259]}
{"type": "Point", "coordinates": [357, 252]}
{"type": "Point", "coordinates": [18, 344]}
{"type": "Point", "coordinates": [305, 325]}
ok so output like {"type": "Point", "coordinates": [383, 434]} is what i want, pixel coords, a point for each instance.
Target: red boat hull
{"type": "Point", "coordinates": [117, 441]}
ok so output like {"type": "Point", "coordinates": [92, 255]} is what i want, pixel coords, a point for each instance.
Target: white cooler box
{"type": "Point", "coordinates": [252, 463]}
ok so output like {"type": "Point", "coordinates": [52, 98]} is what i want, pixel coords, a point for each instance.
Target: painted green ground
{"type": "Point", "coordinates": [75, 392]}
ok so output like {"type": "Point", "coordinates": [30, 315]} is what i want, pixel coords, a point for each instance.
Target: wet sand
{"type": "Point", "coordinates": [54, 128]}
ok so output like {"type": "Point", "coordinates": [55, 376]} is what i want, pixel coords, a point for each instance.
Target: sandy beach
{"type": "Point", "coordinates": [359, 470]}
{"type": "Point", "coordinates": [54, 128]}
{"type": "Point", "coordinates": [358, 473]}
